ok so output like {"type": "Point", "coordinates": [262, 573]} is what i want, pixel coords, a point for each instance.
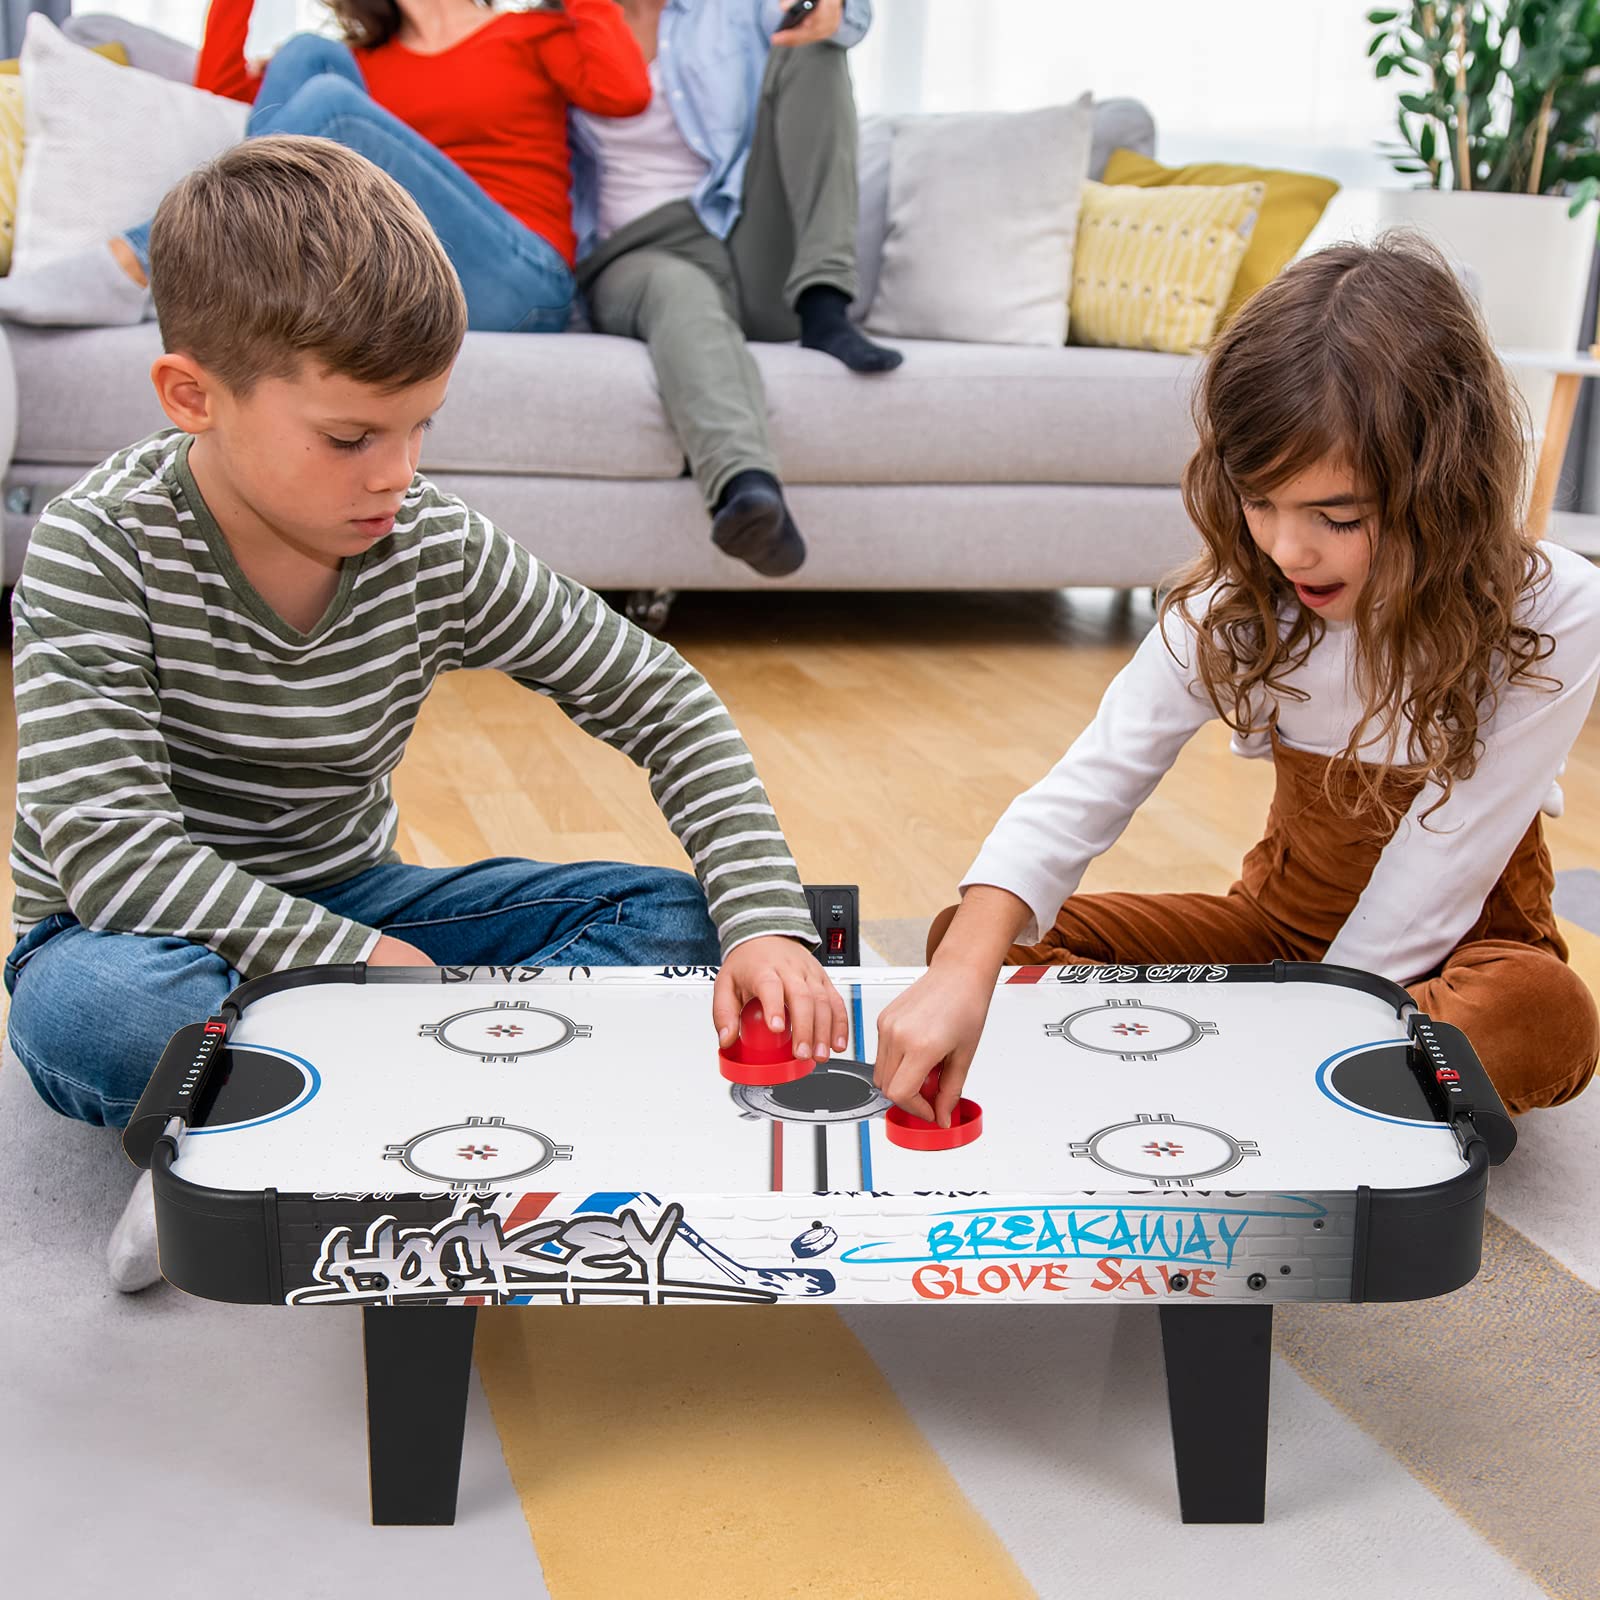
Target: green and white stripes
{"type": "Point", "coordinates": [188, 764]}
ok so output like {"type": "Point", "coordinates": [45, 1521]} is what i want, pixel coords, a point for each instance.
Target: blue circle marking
{"type": "Point", "coordinates": [313, 1082]}
{"type": "Point", "coordinates": [1361, 1111]}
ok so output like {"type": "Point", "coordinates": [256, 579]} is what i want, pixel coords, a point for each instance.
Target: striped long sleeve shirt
{"type": "Point", "coordinates": [190, 765]}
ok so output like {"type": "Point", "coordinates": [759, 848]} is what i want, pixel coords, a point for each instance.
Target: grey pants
{"type": "Point", "coordinates": [695, 299]}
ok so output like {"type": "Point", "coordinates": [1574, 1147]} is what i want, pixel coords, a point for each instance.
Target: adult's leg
{"type": "Point", "coordinates": [510, 912]}
{"type": "Point", "coordinates": [514, 280]}
{"type": "Point", "coordinates": [293, 65]}
{"type": "Point", "coordinates": [665, 280]}
{"type": "Point", "coordinates": [1139, 929]}
{"type": "Point", "coordinates": [91, 1013]}
{"type": "Point", "coordinates": [1528, 1015]}
{"type": "Point", "coordinates": [794, 246]}
{"type": "Point", "coordinates": [797, 222]}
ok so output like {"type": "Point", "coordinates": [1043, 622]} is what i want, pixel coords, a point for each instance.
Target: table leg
{"type": "Point", "coordinates": [1219, 1368]}
{"type": "Point", "coordinates": [419, 1360]}
{"type": "Point", "coordinates": [1552, 452]}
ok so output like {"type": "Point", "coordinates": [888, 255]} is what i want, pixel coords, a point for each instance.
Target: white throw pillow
{"type": "Point", "coordinates": [105, 143]}
{"type": "Point", "coordinates": [983, 209]}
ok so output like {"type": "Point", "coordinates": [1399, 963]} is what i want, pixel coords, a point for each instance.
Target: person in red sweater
{"type": "Point", "coordinates": [465, 106]}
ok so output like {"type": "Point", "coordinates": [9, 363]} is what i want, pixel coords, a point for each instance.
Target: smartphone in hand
{"type": "Point", "coordinates": [796, 14]}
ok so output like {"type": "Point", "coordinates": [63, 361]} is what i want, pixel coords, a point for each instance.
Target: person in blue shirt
{"type": "Point", "coordinates": [726, 212]}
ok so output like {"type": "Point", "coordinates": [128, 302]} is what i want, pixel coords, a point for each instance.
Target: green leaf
{"type": "Point", "coordinates": [1582, 195]}
{"type": "Point", "coordinates": [1427, 144]}
{"type": "Point", "coordinates": [1423, 105]}
{"type": "Point", "coordinates": [1378, 18]}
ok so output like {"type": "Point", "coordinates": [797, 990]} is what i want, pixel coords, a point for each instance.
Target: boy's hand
{"type": "Point", "coordinates": [392, 952]}
{"type": "Point", "coordinates": [788, 981]}
{"type": "Point", "coordinates": [935, 1023]}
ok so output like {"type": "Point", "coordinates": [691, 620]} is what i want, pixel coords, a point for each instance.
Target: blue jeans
{"type": "Point", "coordinates": [515, 281]}
{"type": "Point", "coordinates": [91, 1012]}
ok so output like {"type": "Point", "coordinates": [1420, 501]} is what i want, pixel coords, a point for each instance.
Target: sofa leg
{"type": "Point", "coordinates": [649, 608]}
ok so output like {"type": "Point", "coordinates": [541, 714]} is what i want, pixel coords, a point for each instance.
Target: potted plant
{"type": "Point", "coordinates": [1497, 117]}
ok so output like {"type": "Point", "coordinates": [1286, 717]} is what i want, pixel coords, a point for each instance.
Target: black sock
{"type": "Point", "coordinates": [825, 325]}
{"type": "Point", "coordinates": [741, 482]}
{"type": "Point", "coordinates": [752, 523]}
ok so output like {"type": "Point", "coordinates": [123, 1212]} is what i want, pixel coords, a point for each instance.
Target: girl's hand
{"type": "Point", "coordinates": [936, 1023]}
{"type": "Point", "coordinates": [790, 984]}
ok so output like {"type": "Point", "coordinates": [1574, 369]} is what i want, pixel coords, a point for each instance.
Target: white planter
{"type": "Point", "coordinates": [1530, 261]}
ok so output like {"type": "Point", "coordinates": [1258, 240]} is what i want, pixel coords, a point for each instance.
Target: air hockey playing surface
{"type": "Point", "coordinates": [522, 1135]}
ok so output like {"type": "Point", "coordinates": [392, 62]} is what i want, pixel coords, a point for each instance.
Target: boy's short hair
{"type": "Point", "coordinates": [287, 247]}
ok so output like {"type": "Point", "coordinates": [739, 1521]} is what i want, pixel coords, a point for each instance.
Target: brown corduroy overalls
{"type": "Point", "coordinates": [1507, 985]}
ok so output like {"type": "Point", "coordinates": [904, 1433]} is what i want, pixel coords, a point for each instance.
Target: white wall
{"type": "Point", "coordinates": [1284, 82]}
{"type": "Point", "coordinates": [271, 22]}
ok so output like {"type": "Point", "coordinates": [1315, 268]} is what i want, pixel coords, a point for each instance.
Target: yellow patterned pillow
{"type": "Point", "coordinates": [10, 163]}
{"type": "Point", "coordinates": [115, 51]}
{"type": "Point", "coordinates": [1153, 268]}
{"type": "Point", "coordinates": [1293, 206]}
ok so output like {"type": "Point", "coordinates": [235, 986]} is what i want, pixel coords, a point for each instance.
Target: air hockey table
{"type": "Point", "coordinates": [1207, 1140]}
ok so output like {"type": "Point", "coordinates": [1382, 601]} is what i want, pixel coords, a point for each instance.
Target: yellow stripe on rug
{"type": "Point", "coordinates": [725, 1454]}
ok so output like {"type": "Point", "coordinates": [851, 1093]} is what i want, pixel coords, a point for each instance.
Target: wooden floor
{"type": "Point", "coordinates": [891, 731]}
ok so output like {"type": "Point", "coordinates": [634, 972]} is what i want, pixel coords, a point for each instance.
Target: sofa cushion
{"type": "Point", "coordinates": [982, 212]}
{"type": "Point", "coordinates": [576, 404]}
{"type": "Point", "coordinates": [979, 413]}
{"type": "Point", "coordinates": [146, 49]}
{"type": "Point", "coordinates": [105, 143]}
{"type": "Point", "coordinates": [584, 405]}
{"type": "Point", "coordinates": [1154, 267]}
{"type": "Point", "coordinates": [1119, 124]}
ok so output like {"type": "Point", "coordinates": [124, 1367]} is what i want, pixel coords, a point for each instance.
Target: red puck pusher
{"type": "Point", "coordinates": [761, 1056]}
{"type": "Point", "coordinates": [910, 1132]}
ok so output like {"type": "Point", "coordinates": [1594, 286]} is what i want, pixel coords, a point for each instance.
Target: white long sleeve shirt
{"type": "Point", "coordinates": [1429, 884]}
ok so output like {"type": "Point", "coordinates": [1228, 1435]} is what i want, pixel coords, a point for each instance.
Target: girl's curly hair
{"type": "Point", "coordinates": [1371, 356]}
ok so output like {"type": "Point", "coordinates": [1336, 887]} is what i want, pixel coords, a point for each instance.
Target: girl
{"type": "Point", "coordinates": [465, 106]}
{"type": "Point", "coordinates": [1368, 614]}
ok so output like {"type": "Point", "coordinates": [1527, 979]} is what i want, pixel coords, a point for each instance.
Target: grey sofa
{"type": "Point", "coordinates": [973, 466]}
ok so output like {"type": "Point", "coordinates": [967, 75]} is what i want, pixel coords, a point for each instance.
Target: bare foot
{"type": "Point", "coordinates": [129, 262]}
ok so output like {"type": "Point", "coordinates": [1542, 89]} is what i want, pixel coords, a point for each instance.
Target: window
{"type": "Point", "coordinates": [1246, 80]}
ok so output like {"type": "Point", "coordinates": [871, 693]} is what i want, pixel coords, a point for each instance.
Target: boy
{"type": "Point", "coordinates": [223, 636]}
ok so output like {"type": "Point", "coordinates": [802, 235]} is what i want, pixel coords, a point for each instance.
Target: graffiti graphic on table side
{"type": "Point", "coordinates": [1044, 1250]}
{"type": "Point", "coordinates": [817, 1240]}
{"type": "Point", "coordinates": [1130, 1030]}
{"type": "Point", "coordinates": [1184, 972]}
{"type": "Point", "coordinates": [589, 1258]}
{"type": "Point", "coordinates": [483, 974]}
